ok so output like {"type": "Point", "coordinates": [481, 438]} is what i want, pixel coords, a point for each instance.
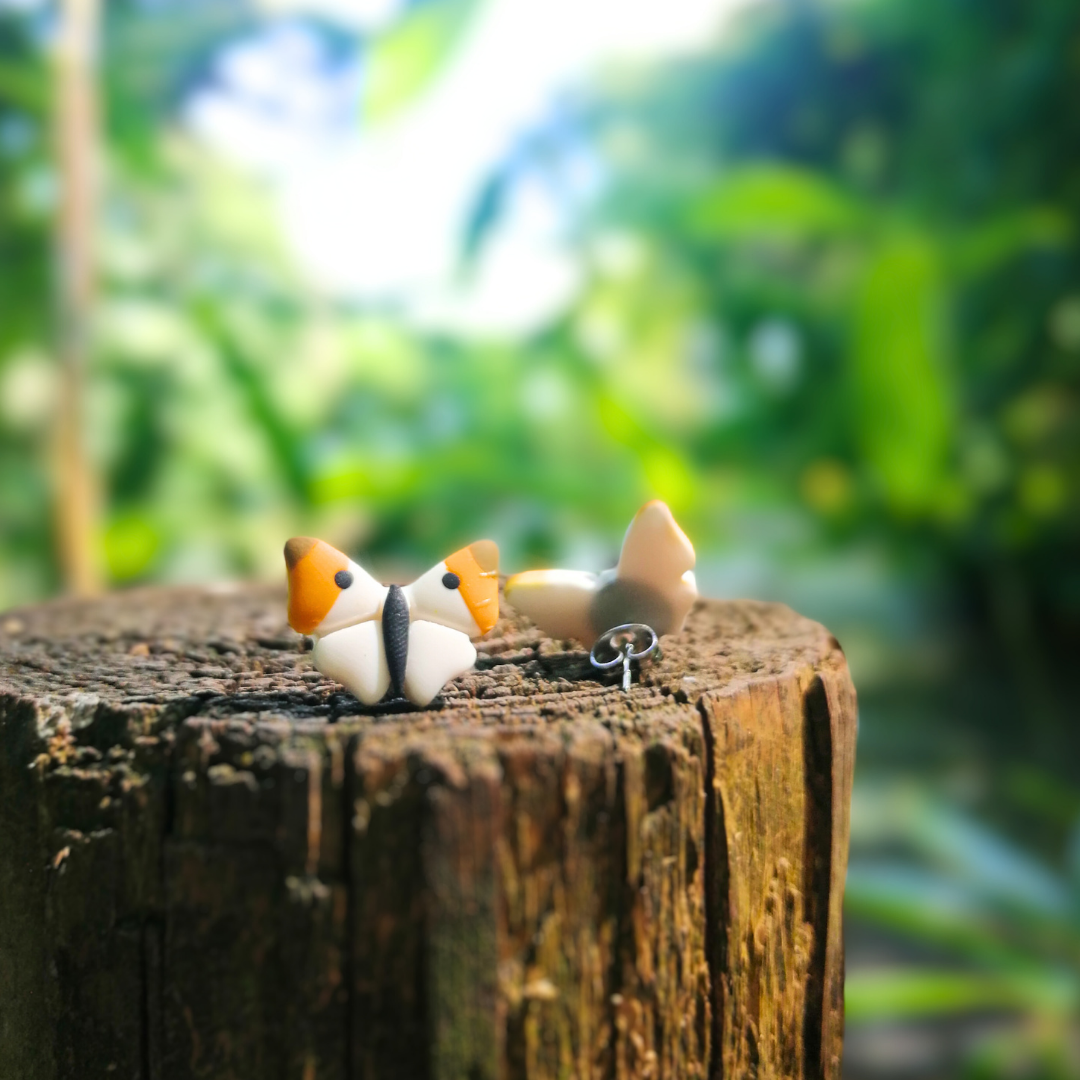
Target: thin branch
{"type": "Point", "coordinates": [76, 146]}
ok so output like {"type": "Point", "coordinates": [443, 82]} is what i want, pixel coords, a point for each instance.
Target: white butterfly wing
{"type": "Point", "coordinates": [681, 596]}
{"type": "Point", "coordinates": [558, 601]}
{"type": "Point", "coordinates": [656, 551]}
{"type": "Point", "coordinates": [431, 600]}
{"type": "Point", "coordinates": [360, 601]}
{"type": "Point", "coordinates": [436, 655]}
{"type": "Point", "coordinates": [354, 656]}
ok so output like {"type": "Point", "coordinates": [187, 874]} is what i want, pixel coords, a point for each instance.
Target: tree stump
{"type": "Point", "coordinates": [215, 863]}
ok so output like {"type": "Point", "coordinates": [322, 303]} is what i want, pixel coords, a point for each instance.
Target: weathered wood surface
{"type": "Point", "coordinates": [213, 863]}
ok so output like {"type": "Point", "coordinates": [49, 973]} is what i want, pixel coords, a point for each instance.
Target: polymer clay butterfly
{"type": "Point", "coordinates": [653, 584]}
{"type": "Point", "coordinates": [370, 637]}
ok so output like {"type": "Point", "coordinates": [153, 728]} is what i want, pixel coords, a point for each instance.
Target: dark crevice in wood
{"type": "Point", "coordinates": [154, 944]}
{"type": "Point", "coordinates": [390, 1027]}
{"type": "Point", "coordinates": [150, 974]}
{"type": "Point", "coordinates": [623, 899]}
{"type": "Point", "coordinates": [417, 808]}
{"type": "Point", "coordinates": [716, 875]}
{"type": "Point", "coordinates": [817, 862]}
{"type": "Point", "coordinates": [144, 1005]}
{"type": "Point", "coordinates": [514, 1062]}
{"type": "Point", "coordinates": [574, 666]}
{"type": "Point", "coordinates": [26, 1043]}
{"type": "Point", "coordinates": [344, 706]}
{"type": "Point", "coordinates": [659, 776]}
{"type": "Point", "coordinates": [304, 706]}
{"type": "Point", "coordinates": [348, 965]}
{"type": "Point", "coordinates": [173, 713]}
{"type": "Point", "coordinates": [420, 782]}
{"type": "Point", "coordinates": [168, 779]}
{"type": "Point", "coordinates": [297, 706]}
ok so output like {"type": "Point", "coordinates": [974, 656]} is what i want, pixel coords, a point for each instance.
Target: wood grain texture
{"type": "Point", "coordinates": [215, 863]}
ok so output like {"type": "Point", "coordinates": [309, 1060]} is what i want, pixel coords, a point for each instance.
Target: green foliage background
{"type": "Point", "coordinates": [831, 314]}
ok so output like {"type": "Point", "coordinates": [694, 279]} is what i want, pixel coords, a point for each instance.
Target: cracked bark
{"type": "Point", "coordinates": [214, 863]}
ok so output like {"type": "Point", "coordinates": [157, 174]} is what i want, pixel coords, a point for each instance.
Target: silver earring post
{"type": "Point", "coordinates": [621, 645]}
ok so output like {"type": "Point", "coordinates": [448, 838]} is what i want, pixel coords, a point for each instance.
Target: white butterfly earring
{"type": "Point", "coordinates": [653, 585]}
{"type": "Point", "coordinates": [370, 637]}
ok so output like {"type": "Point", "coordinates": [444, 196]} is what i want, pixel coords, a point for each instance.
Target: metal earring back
{"type": "Point", "coordinates": [623, 644]}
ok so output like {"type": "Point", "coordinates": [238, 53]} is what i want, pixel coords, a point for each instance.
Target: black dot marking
{"type": "Point", "coordinates": [343, 579]}
{"type": "Point", "coordinates": [451, 581]}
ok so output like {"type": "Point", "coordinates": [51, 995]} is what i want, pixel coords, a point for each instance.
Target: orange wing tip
{"type": "Point", "coordinates": [477, 566]}
{"type": "Point", "coordinates": [486, 554]}
{"type": "Point", "coordinates": [311, 565]}
{"type": "Point", "coordinates": [297, 548]}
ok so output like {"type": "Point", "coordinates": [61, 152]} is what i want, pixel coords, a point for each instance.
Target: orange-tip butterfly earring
{"type": "Point", "coordinates": [625, 610]}
{"type": "Point", "coordinates": [372, 637]}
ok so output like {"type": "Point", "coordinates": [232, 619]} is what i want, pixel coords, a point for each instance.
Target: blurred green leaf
{"type": "Point", "coordinates": [1006, 236]}
{"type": "Point", "coordinates": [902, 994]}
{"type": "Point", "coordinates": [21, 85]}
{"type": "Point", "coordinates": [1045, 796]}
{"type": "Point", "coordinates": [404, 61]}
{"type": "Point", "coordinates": [929, 908]}
{"type": "Point", "coordinates": [973, 856]}
{"type": "Point", "coordinates": [485, 215]}
{"type": "Point", "coordinates": [903, 397]}
{"type": "Point", "coordinates": [999, 869]}
{"type": "Point", "coordinates": [775, 201]}
{"type": "Point", "coordinates": [155, 54]}
{"type": "Point", "coordinates": [130, 542]}
{"type": "Point", "coordinates": [283, 440]}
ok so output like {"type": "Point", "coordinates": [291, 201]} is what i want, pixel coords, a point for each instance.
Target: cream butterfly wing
{"type": "Point", "coordinates": [355, 657]}
{"type": "Point", "coordinates": [655, 571]}
{"type": "Point", "coordinates": [349, 642]}
{"type": "Point", "coordinates": [558, 601]}
{"type": "Point", "coordinates": [653, 584]}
